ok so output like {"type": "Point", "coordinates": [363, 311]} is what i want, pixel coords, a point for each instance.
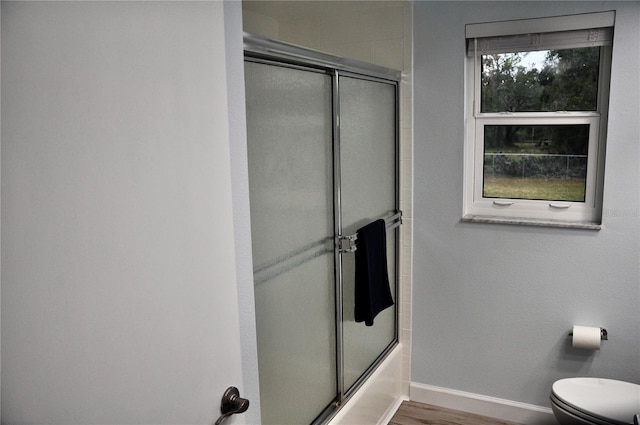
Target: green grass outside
{"type": "Point", "coordinates": [534, 188]}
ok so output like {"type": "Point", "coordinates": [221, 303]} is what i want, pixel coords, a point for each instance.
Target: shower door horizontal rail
{"type": "Point", "coordinates": [259, 46]}
{"type": "Point", "coordinates": [350, 240]}
{"type": "Point", "coordinates": [284, 263]}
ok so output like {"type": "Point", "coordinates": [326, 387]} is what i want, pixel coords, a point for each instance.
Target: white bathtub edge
{"type": "Point", "coordinates": [392, 410]}
{"type": "Point", "coordinates": [378, 398]}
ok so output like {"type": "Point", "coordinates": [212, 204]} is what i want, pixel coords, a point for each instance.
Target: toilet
{"type": "Point", "coordinates": [595, 401]}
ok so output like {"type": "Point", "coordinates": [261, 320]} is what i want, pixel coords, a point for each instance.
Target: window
{"type": "Point", "coordinates": [537, 98]}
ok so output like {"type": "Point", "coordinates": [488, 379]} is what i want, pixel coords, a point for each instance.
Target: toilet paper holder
{"type": "Point", "coordinates": [604, 336]}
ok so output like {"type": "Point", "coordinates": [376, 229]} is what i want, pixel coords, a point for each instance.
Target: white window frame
{"type": "Point", "coordinates": [585, 214]}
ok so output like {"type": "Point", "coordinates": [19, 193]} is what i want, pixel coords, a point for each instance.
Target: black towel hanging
{"type": "Point", "coordinates": [372, 291]}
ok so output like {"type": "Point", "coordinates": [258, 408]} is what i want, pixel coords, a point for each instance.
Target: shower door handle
{"type": "Point", "coordinates": [231, 404]}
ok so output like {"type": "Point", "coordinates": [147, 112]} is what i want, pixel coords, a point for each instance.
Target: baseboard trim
{"type": "Point", "coordinates": [508, 410]}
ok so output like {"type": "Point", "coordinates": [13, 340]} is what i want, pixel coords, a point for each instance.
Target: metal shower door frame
{"type": "Point", "coordinates": [258, 49]}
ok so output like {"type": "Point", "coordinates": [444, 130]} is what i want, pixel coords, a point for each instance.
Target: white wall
{"type": "Point", "coordinates": [493, 304]}
{"type": "Point", "coordinates": [119, 295]}
{"type": "Point", "coordinates": [241, 210]}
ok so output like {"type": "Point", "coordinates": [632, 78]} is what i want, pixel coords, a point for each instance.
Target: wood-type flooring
{"type": "Point", "coordinates": [412, 413]}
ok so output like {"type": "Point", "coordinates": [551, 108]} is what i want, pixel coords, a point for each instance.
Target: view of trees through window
{"type": "Point", "coordinates": [547, 162]}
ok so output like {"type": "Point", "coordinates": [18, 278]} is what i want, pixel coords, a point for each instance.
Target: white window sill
{"type": "Point", "coordinates": [470, 218]}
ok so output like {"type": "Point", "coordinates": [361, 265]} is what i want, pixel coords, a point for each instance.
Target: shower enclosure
{"type": "Point", "coordinates": [323, 161]}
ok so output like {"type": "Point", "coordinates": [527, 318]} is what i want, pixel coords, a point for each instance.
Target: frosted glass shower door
{"type": "Point", "coordinates": [368, 186]}
{"type": "Point", "coordinates": [289, 132]}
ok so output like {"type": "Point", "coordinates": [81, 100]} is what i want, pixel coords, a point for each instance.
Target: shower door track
{"type": "Point", "coordinates": [257, 46]}
{"type": "Point", "coordinates": [262, 50]}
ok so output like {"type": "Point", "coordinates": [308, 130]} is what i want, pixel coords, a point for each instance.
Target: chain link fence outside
{"type": "Point", "coordinates": [548, 166]}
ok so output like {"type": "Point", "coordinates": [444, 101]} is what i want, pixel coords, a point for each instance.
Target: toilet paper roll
{"type": "Point", "coordinates": [586, 337]}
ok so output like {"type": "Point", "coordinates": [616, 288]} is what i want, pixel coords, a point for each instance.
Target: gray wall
{"type": "Point", "coordinates": [493, 304]}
